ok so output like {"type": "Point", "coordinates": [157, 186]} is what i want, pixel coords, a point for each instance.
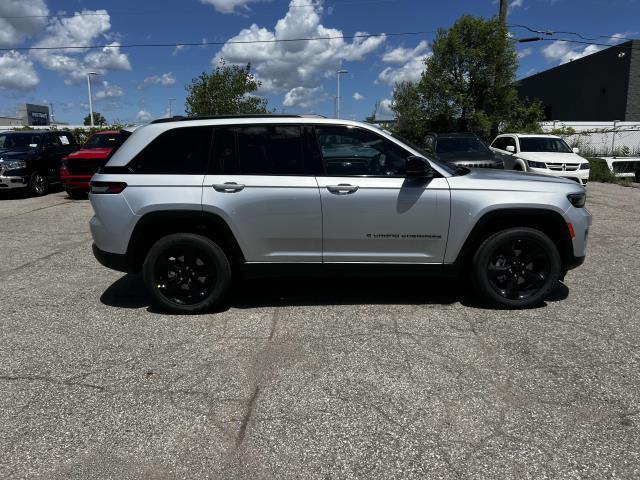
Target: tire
{"type": "Point", "coordinates": [516, 268]}
{"type": "Point", "coordinates": [518, 168]}
{"type": "Point", "coordinates": [38, 184]}
{"type": "Point", "coordinates": [77, 194]}
{"type": "Point", "coordinates": [171, 273]}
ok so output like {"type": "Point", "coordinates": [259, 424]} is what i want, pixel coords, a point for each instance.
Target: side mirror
{"type": "Point", "coordinates": [511, 149]}
{"type": "Point", "coordinates": [418, 167]}
{"type": "Point", "coordinates": [576, 150]}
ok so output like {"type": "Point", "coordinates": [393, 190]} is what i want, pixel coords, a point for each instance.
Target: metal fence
{"type": "Point", "coordinates": [599, 139]}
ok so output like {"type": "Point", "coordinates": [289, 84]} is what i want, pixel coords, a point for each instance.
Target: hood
{"type": "Point", "coordinates": [552, 157]}
{"type": "Point", "coordinates": [17, 154]}
{"type": "Point", "coordinates": [516, 177]}
{"type": "Point", "coordinates": [466, 156]}
{"type": "Point", "coordinates": [90, 153]}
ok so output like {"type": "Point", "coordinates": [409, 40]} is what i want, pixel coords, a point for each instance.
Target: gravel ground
{"type": "Point", "coordinates": [331, 378]}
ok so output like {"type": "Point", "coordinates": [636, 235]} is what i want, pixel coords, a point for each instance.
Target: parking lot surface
{"type": "Point", "coordinates": [326, 378]}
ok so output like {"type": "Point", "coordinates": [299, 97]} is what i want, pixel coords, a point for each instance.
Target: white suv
{"type": "Point", "coordinates": [545, 154]}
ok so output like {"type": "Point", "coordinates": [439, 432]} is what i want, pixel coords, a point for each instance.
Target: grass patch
{"type": "Point", "coordinates": [600, 173]}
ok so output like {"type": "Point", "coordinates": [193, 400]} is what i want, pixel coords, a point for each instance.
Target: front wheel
{"type": "Point", "coordinates": [186, 273]}
{"type": "Point", "coordinates": [516, 268]}
{"type": "Point", "coordinates": [38, 184]}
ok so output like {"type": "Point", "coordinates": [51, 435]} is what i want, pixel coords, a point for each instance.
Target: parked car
{"type": "Point", "coordinates": [31, 159]}
{"type": "Point", "coordinates": [194, 202]}
{"type": "Point", "coordinates": [463, 150]}
{"type": "Point", "coordinates": [78, 167]}
{"type": "Point", "coordinates": [545, 154]}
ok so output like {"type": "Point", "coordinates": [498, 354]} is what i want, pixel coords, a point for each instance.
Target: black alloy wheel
{"type": "Point", "coordinates": [186, 273]}
{"type": "Point", "coordinates": [517, 268]}
{"type": "Point", "coordinates": [38, 184]}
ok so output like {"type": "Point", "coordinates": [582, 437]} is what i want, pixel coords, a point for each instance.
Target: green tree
{"type": "Point", "coordinates": [98, 119]}
{"type": "Point", "coordinates": [468, 84]}
{"type": "Point", "coordinates": [227, 90]}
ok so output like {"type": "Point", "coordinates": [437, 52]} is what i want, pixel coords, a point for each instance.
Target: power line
{"type": "Point", "coordinates": [562, 32]}
{"type": "Point", "coordinates": [242, 42]}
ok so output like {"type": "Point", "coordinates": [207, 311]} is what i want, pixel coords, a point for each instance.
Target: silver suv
{"type": "Point", "coordinates": [193, 202]}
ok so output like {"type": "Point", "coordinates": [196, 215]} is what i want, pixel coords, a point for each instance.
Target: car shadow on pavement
{"type": "Point", "coordinates": [129, 292]}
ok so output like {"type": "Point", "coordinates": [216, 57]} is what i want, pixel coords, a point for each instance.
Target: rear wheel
{"type": "Point", "coordinates": [38, 184]}
{"type": "Point", "coordinates": [186, 273]}
{"type": "Point", "coordinates": [516, 268]}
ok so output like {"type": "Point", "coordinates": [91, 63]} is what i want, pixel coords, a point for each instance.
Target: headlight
{"type": "Point", "coordinates": [14, 164]}
{"type": "Point", "coordinates": [577, 199]}
{"type": "Point", "coordinates": [533, 164]}
{"type": "Point", "coordinates": [585, 166]}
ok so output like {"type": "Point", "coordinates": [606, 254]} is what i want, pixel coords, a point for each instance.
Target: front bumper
{"type": "Point", "coordinates": [8, 182]}
{"type": "Point", "coordinates": [578, 176]}
{"type": "Point", "coordinates": [76, 182]}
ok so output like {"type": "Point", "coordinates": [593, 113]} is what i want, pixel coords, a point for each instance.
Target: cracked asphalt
{"type": "Point", "coordinates": [316, 379]}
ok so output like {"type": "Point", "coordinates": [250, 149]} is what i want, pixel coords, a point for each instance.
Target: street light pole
{"type": "Point", "coordinates": [90, 99]}
{"type": "Point", "coordinates": [170, 100]}
{"type": "Point", "coordinates": [339, 72]}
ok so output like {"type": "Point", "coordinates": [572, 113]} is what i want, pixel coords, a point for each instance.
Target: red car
{"type": "Point", "coordinates": [77, 168]}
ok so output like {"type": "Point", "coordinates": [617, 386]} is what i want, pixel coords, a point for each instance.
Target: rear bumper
{"type": "Point", "coordinates": [114, 261]}
{"type": "Point", "coordinates": [574, 262]}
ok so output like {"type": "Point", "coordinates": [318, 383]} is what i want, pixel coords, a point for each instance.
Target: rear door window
{"type": "Point", "coordinates": [259, 150]}
{"type": "Point", "coordinates": [181, 151]}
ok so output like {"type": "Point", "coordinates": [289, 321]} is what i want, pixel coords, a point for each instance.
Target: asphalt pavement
{"type": "Point", "coordinates": [314, 378]}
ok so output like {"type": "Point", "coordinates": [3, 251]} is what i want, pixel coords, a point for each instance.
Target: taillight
{"type": "Point", "coordinates": [107, 187]}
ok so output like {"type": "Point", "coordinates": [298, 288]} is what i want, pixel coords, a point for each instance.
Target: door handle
{"type": "Point", "coordinates": [342, 189]}
{"type": "Point", "coordinates": [228, 187]}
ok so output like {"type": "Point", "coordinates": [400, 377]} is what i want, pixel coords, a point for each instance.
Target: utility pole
{"type": "Point", "coordinates": [51, 116]}
{"type": "Point", "coordinates": [504, 5]}
{"type": "Point", "coordinates": [90, 99]}
{"type": "Point", "coordinates": [339, 72]}
{"type": "Point", "coordinates": [170, 100]}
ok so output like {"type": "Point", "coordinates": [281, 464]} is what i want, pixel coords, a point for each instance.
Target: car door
{"type": "Point", "coordinates": [262, 184]}
{"type": "Point", "coordinates": [371, 211]}
{"type": "Point", "coordinates": [52, 153]}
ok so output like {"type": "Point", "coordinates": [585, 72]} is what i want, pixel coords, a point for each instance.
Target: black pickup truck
{"type": "Point", "coordinates": [31, 159]}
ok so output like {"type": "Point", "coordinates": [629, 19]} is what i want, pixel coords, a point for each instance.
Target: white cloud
{"type": "Point", "coordinates": [17, 72]}
{"type": "Point", "coordinates": [621, 37]}
{"type": "Point", "coordinates": [15, 30]}
{"type": "Point", "coordinates": [303, 97]}
{"type": "Point", "coordinates": [286, 65]}
{"type": "Point", "coordinates": [384, 111]}
{"type": "Point", "coordinates": [165, 80]}
{"type": "Point", "coordinates": [412, 68]}
{"type": "Point", "coordinates": [516, 3]}
{"type": "Point", "coordinates": [404, 55]}
{"type": "Point", "coordinates": [563, 52]}
{"type": "Point", "coordinates": [79, 30]}
{"type": "Point", "coordinates": [229, 6]}
{"type": "Point", "coordinates": [109, 91]}
{"type": "Point", "coordinates": [178, 49]}
{"type": "Point", "coordinates": [358, 97]}
{"type": "Point", "coordinates": [525, 52]}
{"type": "Point", "coordinates": [143, 116]}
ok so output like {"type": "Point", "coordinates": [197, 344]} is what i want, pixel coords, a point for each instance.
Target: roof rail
{"type": "Point", "coordinates": [180, 118]}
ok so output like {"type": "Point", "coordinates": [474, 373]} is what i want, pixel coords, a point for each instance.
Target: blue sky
{"type": "Point", "coordinates": [136, 83]}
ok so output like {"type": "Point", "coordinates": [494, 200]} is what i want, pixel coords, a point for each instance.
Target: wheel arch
{"type": "Point", "coordinates": [547, 221]}
{"type": "Point", "coordinates": [155, 225]}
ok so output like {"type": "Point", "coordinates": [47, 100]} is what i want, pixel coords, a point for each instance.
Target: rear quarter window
{"type": "Point", "coordinates": [180, 151]}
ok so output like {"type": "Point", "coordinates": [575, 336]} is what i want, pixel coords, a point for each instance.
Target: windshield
{"type": "Point", "coordinates": [447, 168]}
{"type": "Point", "coordinates": [18, 140]}
{"type": "Point", "coordinates": [102, 140]}
{"type": "Point", "coordinates": [460, 145]}
{"type": "Point", "coordinates": [544, 144]}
